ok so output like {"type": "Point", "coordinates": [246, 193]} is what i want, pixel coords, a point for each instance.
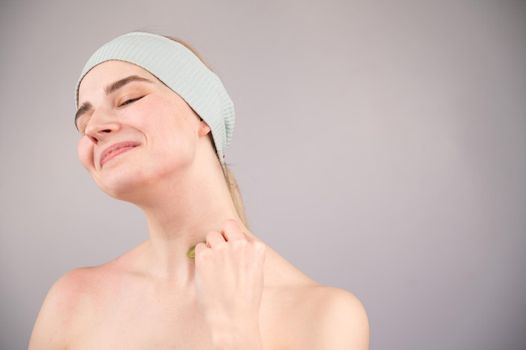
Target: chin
{"type": "Point", "coordinates": [121, 182]}
{"type": "Point", "coordinates": [122, 189]}
{"type": "Point", "coordinates": [134, 183]}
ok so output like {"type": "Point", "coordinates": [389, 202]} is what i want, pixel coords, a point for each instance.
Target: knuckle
{"type": "Point", "coordinates": [221, 246]}
{"type": "Point", "coordinates": [238, 245]}
{"type": "Point", "coordinates": [260, 246]}
{"type": "Point", "coordinates": [210, 235]}
{"type": "Point", "coordinates": [231, 221]}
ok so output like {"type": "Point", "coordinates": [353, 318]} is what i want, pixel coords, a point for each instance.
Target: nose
{"type": "Point", "coordinates": [101, 125]}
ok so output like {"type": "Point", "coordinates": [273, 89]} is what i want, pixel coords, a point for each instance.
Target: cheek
{"type": "Point", "coordinates": [167, 130]}
{"type": "Point", "coordinates": [85, 152]}
{"type": "Point", "coordinates": [170, 129]}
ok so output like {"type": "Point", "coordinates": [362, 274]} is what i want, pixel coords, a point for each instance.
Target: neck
{"type": "Point", "coordinates": [180, 212]}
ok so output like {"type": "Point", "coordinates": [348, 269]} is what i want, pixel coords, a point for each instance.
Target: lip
{"type": "Point", "coordinates": [116, 149]}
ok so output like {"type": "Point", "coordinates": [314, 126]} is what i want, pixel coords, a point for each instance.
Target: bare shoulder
{"type": "Point", "coordinates": [343, 321]}
{"type": "Point", "coordinates": [328, 317]}
{"type": "Point", "coordinates": [56, 315]}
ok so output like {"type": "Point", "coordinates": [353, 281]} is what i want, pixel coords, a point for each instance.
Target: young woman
{"type": "Point", "coordinates": [154, 122]}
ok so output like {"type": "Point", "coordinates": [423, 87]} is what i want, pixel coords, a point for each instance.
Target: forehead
{"type": "Point", "coordinates": [107, 72]}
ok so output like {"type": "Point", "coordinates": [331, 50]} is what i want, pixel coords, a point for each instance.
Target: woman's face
{"type": "Point", "coordinates": [159, 130]}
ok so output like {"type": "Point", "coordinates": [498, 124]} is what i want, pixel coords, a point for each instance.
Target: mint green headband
{"type": "Point", "coordinates": [182, 71]}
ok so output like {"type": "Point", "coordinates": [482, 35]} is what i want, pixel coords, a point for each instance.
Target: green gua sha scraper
{"type": "Point", "coordinates": [191, 252]}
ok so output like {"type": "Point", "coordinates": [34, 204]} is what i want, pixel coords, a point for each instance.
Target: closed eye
{"type": "Point", "coordinates": [122, 104]}
{"type": "Point", "coordinates": [130, 101]}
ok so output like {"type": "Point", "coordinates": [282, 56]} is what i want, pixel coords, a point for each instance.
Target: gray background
{"type": "Point", "coordinates": [379, 146]}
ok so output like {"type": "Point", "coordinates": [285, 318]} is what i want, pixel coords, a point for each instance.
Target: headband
{"type": "Point", "coordinates": [182, 71]}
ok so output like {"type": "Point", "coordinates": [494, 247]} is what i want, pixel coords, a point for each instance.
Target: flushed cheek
{"type": "Point", "coordinates": [85, 152]}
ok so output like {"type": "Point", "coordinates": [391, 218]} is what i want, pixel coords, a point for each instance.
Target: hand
{"type": "Point", "coordinates": [229, 280]}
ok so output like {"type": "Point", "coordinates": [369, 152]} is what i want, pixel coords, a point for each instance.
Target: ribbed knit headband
{"type": "Point", "coordinates": [182, 71]}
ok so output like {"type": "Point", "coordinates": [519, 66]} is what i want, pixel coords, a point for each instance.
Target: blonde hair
{"type": "Point", "coordinates": [230, 179]}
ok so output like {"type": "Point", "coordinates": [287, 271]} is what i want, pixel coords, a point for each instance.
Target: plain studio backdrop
{"type": "Point", "coordinates": [379, 146]}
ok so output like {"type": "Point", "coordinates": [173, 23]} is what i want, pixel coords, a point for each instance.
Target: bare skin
{"type": "Point", "coordinates": [124, 308]}
{"type": "Point", "coordinates": [145, 299]}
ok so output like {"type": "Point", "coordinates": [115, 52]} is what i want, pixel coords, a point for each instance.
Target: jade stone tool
{"type": "Point", "coordinates": [191, 252]}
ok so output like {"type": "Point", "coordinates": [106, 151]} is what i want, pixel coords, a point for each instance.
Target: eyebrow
{"type": "Point", "coordinates": [111, 88]}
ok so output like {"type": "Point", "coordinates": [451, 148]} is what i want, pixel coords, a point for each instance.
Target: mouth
{"type": "Point", "coordinates": [115, 150]}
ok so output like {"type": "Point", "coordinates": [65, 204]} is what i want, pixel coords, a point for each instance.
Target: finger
{"type": "Point", "coordinates": [260, 247]}
{"type": "Point", "coordinates": [232, 230]}
{"type": "Point", "coordinates": [199, 248]}
{"type": "Point", "coordinates": [214, 238]}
